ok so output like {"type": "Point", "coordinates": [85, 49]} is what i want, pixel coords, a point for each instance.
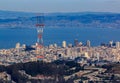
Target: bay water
{"type": "Point", "coordinates": [10, 36]}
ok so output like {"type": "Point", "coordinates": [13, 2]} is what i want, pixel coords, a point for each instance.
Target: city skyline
{"type": "Point", "coordinates": [61, 6]}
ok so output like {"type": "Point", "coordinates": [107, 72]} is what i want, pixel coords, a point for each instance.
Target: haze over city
{"type": "Point", "coordinates": [61, 5]}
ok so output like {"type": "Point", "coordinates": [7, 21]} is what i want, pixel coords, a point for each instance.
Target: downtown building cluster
{"type": "Point", "coordinates": [23, 53]}
{"type": "Point", "coordinates": [88, 57]}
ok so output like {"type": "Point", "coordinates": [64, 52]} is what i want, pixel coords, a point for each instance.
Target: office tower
{"type": "Point", "coordinates": [79, 50]}
{"type": "Point", "coordinates": [69, 45]}
{"type": "Point", "coordinates": [24, 46]}
{"type": "Point", "coordinates": [98, 56]}
{"type": "Point", "coordinates": [88, 43]}
{"type": "Point", "coordinates": [18, 48]}
{"type": "Point", "coordinates": [117, 44]}
{"type": "Point", "coordinates": [80, 43]}
{"type": "Point", "coordinates": [64, 44]}
{"type": "Point", "coordinates": [76, 43]}
{"type": "Point", "coordinates": [55, 45]}
{"type": "Point", "coordinates": [110, 43]}
{"type": "Point", "coordinates": [17, 45]}
{"type": "Point", "coordinates": [86, 55]}
{"type": "Point", "coordinates": [67, 51]}
{"type": "Point", "coordinates": [51, 46]}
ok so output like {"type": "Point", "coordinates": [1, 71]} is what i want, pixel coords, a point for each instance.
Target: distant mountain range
{"type": "Point", "coordinates": [78, 19]}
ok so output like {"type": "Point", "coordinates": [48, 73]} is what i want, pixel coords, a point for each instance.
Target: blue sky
{"type": "Point", "coordinates": [61, 5]}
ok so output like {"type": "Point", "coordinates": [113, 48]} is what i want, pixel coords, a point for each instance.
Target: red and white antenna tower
{"type": "Point", "coordinates": [40, 26]}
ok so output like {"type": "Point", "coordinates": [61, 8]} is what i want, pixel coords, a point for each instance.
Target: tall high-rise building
{"type": "Point", "coordinates": [55, 45]}
{"type": "Point", "coordinates": [18, 48]}
{"type": "Point", "coordinates": [80, 43]}
{"type": "Point", "coordinates": [88, 43]}
{"type": "Point", "coordinates": [64, 44]}
{"type": "Point", "coordinates": [51, 46]}
{"type": "Point", "coordinates": [17, 45]}
{"type": "Point", "coordinates": [98, 56]}
{"type": "Point", "coordinates": [70, 45]}
{"type": "Point", "coordinates": [67, 51]}
{"type": "Point", "coordinates": [110, 43]}
{"type": "Point", "coordinates": [79, 50]}
{"type": "Point", "coordinates": [24, 46]}
{"type": "Point", "coordinates": [76, 43]}
{"type": "Point", "coordinates": [117, 44]}
{"type": "Point", "coordinates": [86, 55]}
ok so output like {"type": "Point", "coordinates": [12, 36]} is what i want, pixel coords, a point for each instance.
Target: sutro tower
{"type": "Point", "coordinates": [40, 26]}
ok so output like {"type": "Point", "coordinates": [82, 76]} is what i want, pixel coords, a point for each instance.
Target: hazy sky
{"type": "Point", "coordinates": [61, 5]}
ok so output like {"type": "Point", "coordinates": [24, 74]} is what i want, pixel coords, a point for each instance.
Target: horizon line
{"type": "Point", "coordinates": [60, 12]}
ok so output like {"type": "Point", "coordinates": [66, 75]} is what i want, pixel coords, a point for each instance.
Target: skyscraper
{"type": "Point", "coordinates": [88, 43]}
{"type": "Point", "coordinates": [18, 48]}
{"type": "Point", "coordinates": [110, 43]}
{"type": "Point", "coordinates": [117, 44]}
{"type": "Point", "coordinates": [76, 43]}
{"type": "Point", "coordinates": [17, 45]}
{"type": "Point", "coordinates": [64, 44]}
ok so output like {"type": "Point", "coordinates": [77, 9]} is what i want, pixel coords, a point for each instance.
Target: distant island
{"type": "Point", "coordinates": [77, 19]}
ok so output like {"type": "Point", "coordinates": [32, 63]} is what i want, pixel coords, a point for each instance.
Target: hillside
{"type": "Point", "coordinates": [47, 72]}
{"type": "Point", "coordinates": [80, 19]}
{"type": "Point", "coordinates": [114, 68]}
